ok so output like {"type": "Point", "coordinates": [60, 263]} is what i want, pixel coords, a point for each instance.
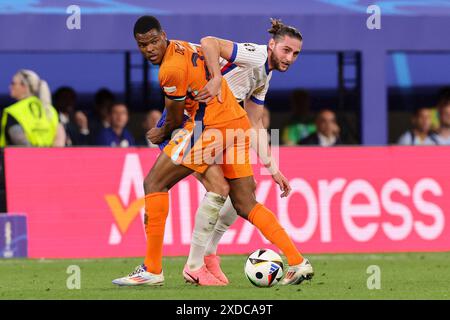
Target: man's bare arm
{"type": "Point", "coordinates": [260, 143]}
{"type": "Point", "coordinates": [214, 48]}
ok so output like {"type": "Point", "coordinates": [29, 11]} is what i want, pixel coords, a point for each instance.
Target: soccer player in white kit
{"type": "Point", "coordinates": [247, 68]}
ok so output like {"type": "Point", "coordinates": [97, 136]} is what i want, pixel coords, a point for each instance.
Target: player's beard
{"type": "Point", "coordinates": [276, 63]}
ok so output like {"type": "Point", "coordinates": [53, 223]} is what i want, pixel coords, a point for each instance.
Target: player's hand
{"type": "Point", "coordinates": [210, 90]}
{"type": "Point", "coordinates": [283, 182]}
{"type": "Point", "coordinates": [155, 135]}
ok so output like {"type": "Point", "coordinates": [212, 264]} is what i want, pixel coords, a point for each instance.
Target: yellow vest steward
{"type": "Point", "coordinates": [30, 114]}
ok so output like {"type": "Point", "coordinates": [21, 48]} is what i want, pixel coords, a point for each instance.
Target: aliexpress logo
{"type": "Point", "coordinates": [123, 215]}
{"type": "Point", "coordinates": [336, 209]}
{"type": "Point", "coordinates": [129, 202]}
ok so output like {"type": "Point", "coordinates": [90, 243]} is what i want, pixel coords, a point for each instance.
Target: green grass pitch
{"type": "Point", "coordinates": [343, 276]}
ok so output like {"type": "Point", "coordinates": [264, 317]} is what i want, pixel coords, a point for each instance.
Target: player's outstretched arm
{"type": "Point", "coordinates": [214, 48]}
{"type": "Point", "coordinates": [174, 120]}
{"type": "Point", "coordinates": [260, 143]}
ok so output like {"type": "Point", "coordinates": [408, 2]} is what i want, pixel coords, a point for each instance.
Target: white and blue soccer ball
{"type": "Point", "coordinates": [264, 268]}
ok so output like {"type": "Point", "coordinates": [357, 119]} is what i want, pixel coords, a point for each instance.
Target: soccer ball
{"type": "Point", "coordinates": [264, 268]}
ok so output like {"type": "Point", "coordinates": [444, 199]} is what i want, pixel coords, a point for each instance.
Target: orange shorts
{"type": "Point", "coordinates": [226, 144]}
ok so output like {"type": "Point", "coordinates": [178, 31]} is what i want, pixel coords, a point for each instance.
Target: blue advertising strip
{"type": "Point", "coordinates": [13, 236]}
{"type": "Point", "coordinates": [2, 183]}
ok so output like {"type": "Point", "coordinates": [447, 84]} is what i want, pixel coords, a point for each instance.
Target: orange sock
{"type": "Point", "coordinates": [156, 211]}
{"type": "Point", "coordinates": [267, 223]}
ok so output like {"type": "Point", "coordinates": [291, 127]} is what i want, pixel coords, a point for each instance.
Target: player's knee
{"type": "Point", "coordinates": [152, 185]}
{"type": "Point", "coordinates": [221, 188]}
{"type": "Point", "coordinates": [215, 184]}
{"type": "Point", "coordinates": [147, 186]}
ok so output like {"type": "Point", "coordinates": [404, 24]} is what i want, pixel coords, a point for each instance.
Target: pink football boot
{"type": "Point", "coordinates": [212, 263]}
{"type": "Point", "coordinates": [201, 277]}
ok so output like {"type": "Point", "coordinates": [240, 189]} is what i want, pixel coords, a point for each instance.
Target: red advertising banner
{"type": "Point", "coordinates": [88, 202]}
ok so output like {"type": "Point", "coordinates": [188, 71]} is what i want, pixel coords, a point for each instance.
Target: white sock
{"type": "Point", "coordinates": [205, 220]}
{"type": "Point", "coordinates": [227, 217]}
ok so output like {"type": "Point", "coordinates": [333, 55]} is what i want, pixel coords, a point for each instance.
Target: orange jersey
{"type": "Point", "coordinates": [183, 73]}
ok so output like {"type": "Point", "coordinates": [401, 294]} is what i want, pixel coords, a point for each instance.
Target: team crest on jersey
{"type": "Point", "coordinates": [179, 48]}
{"type": "Point", "coordinates": [249, 47]}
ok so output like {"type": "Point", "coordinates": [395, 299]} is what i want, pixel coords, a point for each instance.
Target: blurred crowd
{"type": "Point", "coordinates": [38, 118]}
{"type": "Point", "coordinates": [305, 128]}
{"type": "Point", "coordinates": [430, 125]}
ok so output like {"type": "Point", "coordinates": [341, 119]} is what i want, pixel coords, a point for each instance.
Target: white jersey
{"type": "Point", "coordinates": [247, 72]}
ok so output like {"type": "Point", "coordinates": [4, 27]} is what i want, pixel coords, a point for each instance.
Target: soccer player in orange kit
{"type": "Point", "coordinates": [182, 75]}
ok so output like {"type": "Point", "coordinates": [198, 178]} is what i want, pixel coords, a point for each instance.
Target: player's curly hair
{"type": "Point", "coordinates": [279, 30]}
{"type": "Point", "coordinates": [145, 23]}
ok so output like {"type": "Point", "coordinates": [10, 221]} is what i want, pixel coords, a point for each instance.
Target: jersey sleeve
{"type": "Point", "coordinates": [248, 54]}
{"type": "Point", "coordinates": [173, 82]}
{"type": "Point", "coordinates": [259, 95]}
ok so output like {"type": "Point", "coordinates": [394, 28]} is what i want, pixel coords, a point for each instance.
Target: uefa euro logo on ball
{"type": "Point", "coordinates": [264, 268]}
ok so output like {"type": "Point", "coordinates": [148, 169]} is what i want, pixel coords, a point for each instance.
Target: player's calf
{"type": "Point", "coordinates": [205, 221]}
